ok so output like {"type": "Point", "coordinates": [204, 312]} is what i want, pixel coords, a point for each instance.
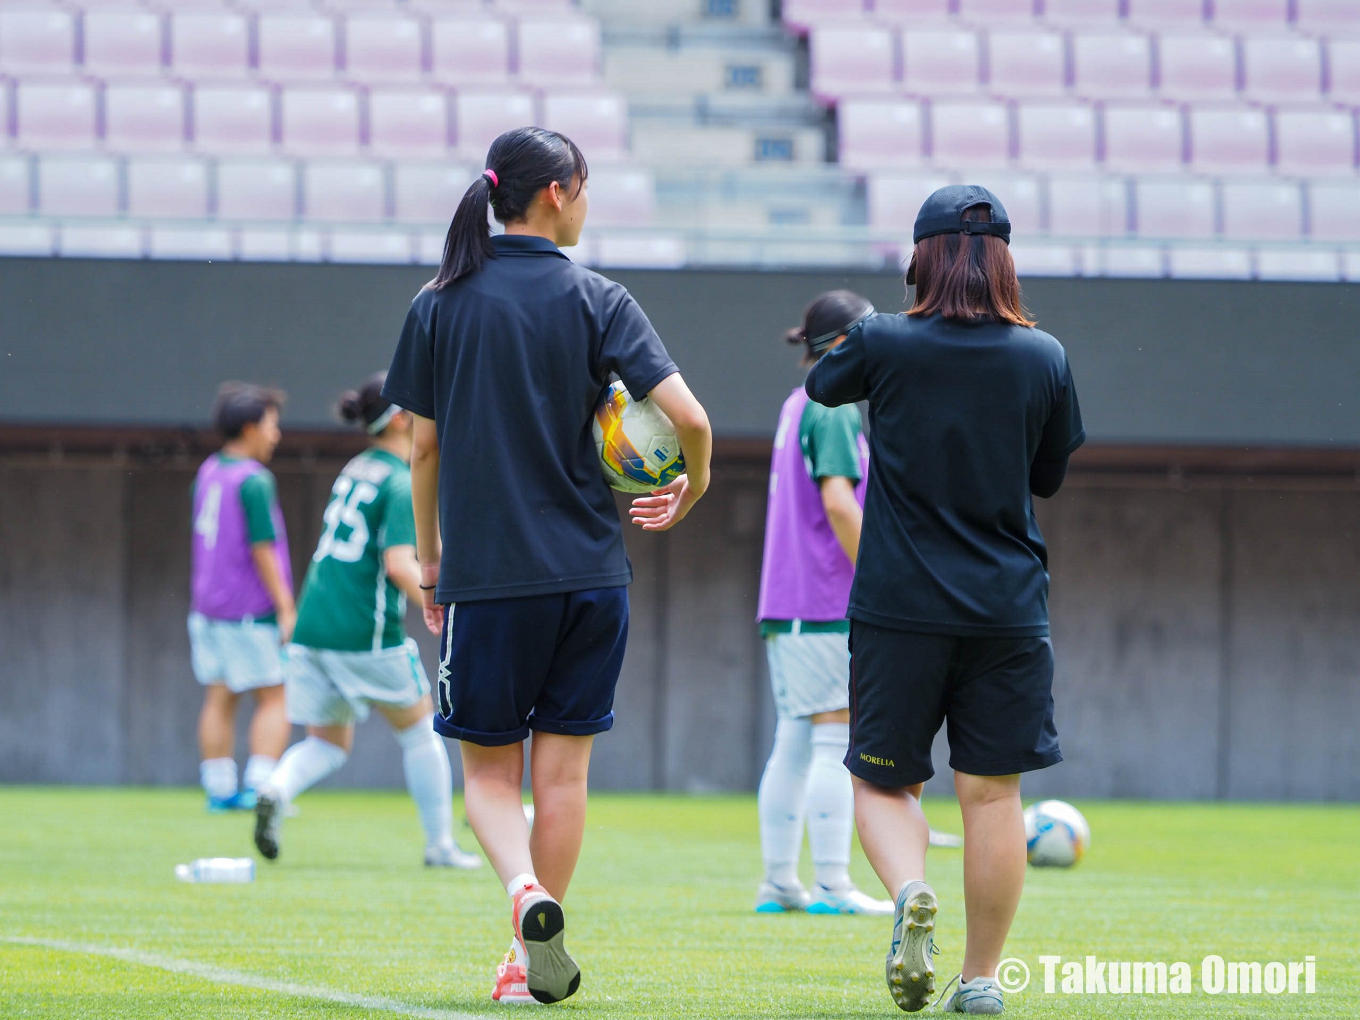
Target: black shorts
{"type": "Point", "coordinates": [543, 662]}
{"type": "Point", "coordinates": [995, 694]}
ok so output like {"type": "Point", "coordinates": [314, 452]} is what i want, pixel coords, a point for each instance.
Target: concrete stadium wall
{"type": "Point", "coordinates": [1205, 636]}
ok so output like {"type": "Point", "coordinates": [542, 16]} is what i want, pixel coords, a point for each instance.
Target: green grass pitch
{"type": "Point", "coordinates": [659, 915]}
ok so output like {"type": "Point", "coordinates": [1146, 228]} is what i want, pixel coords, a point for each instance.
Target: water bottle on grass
{"type": "Point", "coordinates": [217, 869]}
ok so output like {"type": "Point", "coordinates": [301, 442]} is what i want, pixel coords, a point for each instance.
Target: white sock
{"type": "Point", "coordinates": [304, 765]}
{"type": "Point", "coordinates": [830, 805]}
{"type": "Point", "coordinates": [519, 882]}
{"type": "Point", "coordinates": [259, 767]}
{"type": "Point", "coordinates": [218, 776]}
{"type": "Point", "coordinates": [425, 760]}
{"type": "Point", "coordinates": [783, 789]}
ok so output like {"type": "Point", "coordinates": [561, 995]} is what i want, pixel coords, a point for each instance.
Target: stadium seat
{"type": "Point", "coordinates": [174, 188]}
{"type": "Point", "coordinates": [429, 192]}
{"type": "Point", "coordinates": [190, 244]}
{"type": "Point", "coordinates": [1056, 134]}
{"type": "Point", "coordinates": [122, 42]}
{"type": "Point", "coordinates": [1112, 65]}
{"type": "Point", "coordinates": [1343, 66]}
{"type": "Point", "coordinates": [1166, 207]}
{"type": "Point", "coordinates": [1334, 210]}
{"type": "Point", "coordinates": [256, 189]}
{"type": "Point", "coordinates": [209, 45]}
{"type": "Point", "coordinates": [78, 186]}
{"type": "Point", "coordinates": [622, 197]}
{"type": "Point", "coordinates": [382, 47]}
{"type": "Point", "coordinates": [408, 122]}
{"type": "Point", "coordinates": [1316, 15]}
{"type": "Point", "coordinates": [941, 62]}
{"type": "Point", "coordinates": [895, 199]}
{"type": "Point", "coordinates": [353, 192]}
{"type": "Point", "coordinates": [1082, 11]}
{"type": "Point", "coordinates": [1264, 211]}
{"type": "Point", "coordinates": [986, 10]}
{"type": "Point", "coordinates": [559, 51]}
{"type": "Point", "coordinates": [371, 247]}
{"type": "Point", "coordinates": [597, 122]}
{"type": "Point", "coordinates": [1209, 263]}
{"type": "Point", "coordinates": [966, 133]}
{"type": "Point", "coordinates": [1315, 141]}
{"type": "Point", "coordinates": [15, 193]}
{"type": "Point", "coordinates": [37, 41]}
{"type": "Point", "coordinates": [1298, 264]}
{"type": "Point", "coordinates": [1045, 259]}
{"type": "Point", "coordinates": [1166, 12]}
{"type": "Point", "coordinates": [233, 118]}
{"type": "Point", "coordinates": [851, 60]}
{"type": "Point", "coordinates": [1126, 261]}
{"type": "Point", "coordinates": [650, 251]}
{"type": "Point", "coordinates": [1197, 66]}
{"type": "Point", "coordinates": [1020, 194]}
{"type": "Point", "coordinates": [480, 117]}
{"type": "Point", "coordinates": [146, 117]}
{"type": "Point", "coordinates": [470, 49]}
{"type": "Point", "coordinates": [1229, 140]}
{"type": "Point", "coordinates": [535, 8]}
{"type": "Point", "coordinates": [55, 116]}
{"type": "Point", "coordinates": [100, 241]}
{"type": "Point", "coordinates": [880, 133]}
{"type": "Point", "coordinates": [1251, 13]}
{"type": "Point", "coordinates": [319, 121]}
{"type": "Point", "coordinates": [908, 13]}
{"type": "Point", "coordinates": [295, 46]}
{"type": "Point", "coordinates": [1026, 63]}
{"type": "Point", "coordinates": [800, 15]}
{"type": "Point", "coordinates": [1143, 137]}
{"type": "Point", "coordinates": [1088, 206]}
{"type": "Point", "coordinates": [264, 244]}
{"type": "Point", "coordinates": [1279, 67]}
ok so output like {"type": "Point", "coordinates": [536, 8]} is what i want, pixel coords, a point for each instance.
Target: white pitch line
{"type": "Point", "coordinates": [223, 976]}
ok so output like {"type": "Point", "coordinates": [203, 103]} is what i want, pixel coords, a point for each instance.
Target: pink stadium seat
{"type": "Point", "coordinates": [597, 123]}
{"type": "Point", "coordinates": [144, 118]}
{"type": "Point", "coordinates": [969, 133]}
{"type": "Point", "coordinates": [470, 49]}
{"type": "Point", "coordinates": [851, 60]}
{"type": "Point", "coordinates": [404, 122]}
{"type": "Point", "coordinates": [78, 186]}
{"type": "Point", "coordinates": [1218, 262]}
{"type": "Point", "coordinates": [895, 199]}
{"type": "Point", "coordinates": [1229, 140]}
{"type": "Point", "coordinates": [1166, 12]}
{"type": "Point", "coordinates": [909, 13]}
{"type": "Point", "coordinates": [1174, 208]}
{"type": "Point", "coordinates": [1197, 66]}
{"type": "Point", "coordinates": [480, 117]}
{"type": "Point", "coordinates": [14, 185]}
{"type": "Point", "coordinates": [429, 192]}
{"type": "Point", "coordinates": [1088, 206]}
{"type": "Point", "coordinates": [802, 14]}
{"type": "Point", "coordinates": [1143, 137]}
{"type": "Point", "coordinates": [256, 189]}
{"type": "Point", "coordinates": [880, 133]}
{"type": "Point", "coordinates": [1343, 65]}
{"type": "Point", "coordinates": [941, 61]}
{"type": "Point", "coordinates": [559, 51]}
{"type": "Point", "coordinates": [37, 41]}
{"type": "Point", "coordinates": [622, 197]}
{"type": "Point", "coordinates": [382, 47]}
{"type": "Point", "coordinates": [1323, 14]}
{"type": "Point", "coordinates": [1027, 63]}
{"type": "Point", "coordinates": [352, 192]}
{"type": "Point", "coordinates": [986, 10]}
{"type": "Point", "coordinates": [122, 42]}
{"type": "Point", "coordinates": [1112, 65]}
{"type": "Point", "coordinates": [1021, 197]}
{"type": "Point", "coordinates": [535, 8]}
{"type": "Point", "coordinates": [209, 45]}
{"type": "Point", "coordinates": [319, 121]}
{"type": "Point", "coordinates": [1056, 134]}
{"type": "Point", "coordinates": [55, 116]}
{"type": "Point", "coordinates": [167, 188]}
{"type": "Point", "coordinates": [1315, 141]}
{"type": "Point", "coordinates": [232, 118]}
{"type": "Point", "coordinates": [295, 46]}
{"type": "Point", "coordinates": [1334, 210]}
{"type": "Point", "coordinates": [1278, 67]}
{"type": "Point", "coordinates": [1264, 211]}
{"type": "Point", "coordinates": [1251, 13]}
{"type": "Point", "coordinates": [1100, 11]}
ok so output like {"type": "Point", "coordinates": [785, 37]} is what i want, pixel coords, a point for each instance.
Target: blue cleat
{"type": "Point", "coordinates": [781, 899]}
{"type": "Point", "coordinates": [241, 800]}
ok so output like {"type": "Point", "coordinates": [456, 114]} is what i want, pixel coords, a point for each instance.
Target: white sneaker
{"type": "Point", "coordinates": [447, 855]}
{"type": "Point", "coordinates": [781, 899]}
{"type": "Point", "coordinates": [980, 996]}
{"type": "Point", "coordinates": [847, 901]}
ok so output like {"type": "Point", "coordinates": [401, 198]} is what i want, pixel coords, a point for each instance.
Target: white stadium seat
{"type": "Point", "coordinates": [257, 189]}
{"type": "Point", "coordinates": [171, 188]}
{"type": "Point", "coordinates": [408, 122]}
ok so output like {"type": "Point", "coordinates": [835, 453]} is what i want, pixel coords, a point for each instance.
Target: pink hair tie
{"type": "Point", "coordinates": [495, 181]}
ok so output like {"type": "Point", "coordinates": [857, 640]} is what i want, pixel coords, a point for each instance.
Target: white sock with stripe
{"type": "Point", "coordinates": [783, 789]}
{"type": "Point", "coordinates": [830, 805]}
{"type": "Point", "coordinates": [218, 776]}
{"type": "Point", "coordinates": [429, 777]}
{"type": "Point", "coordinates": [304, 765]}
{"type": "Point", "coordinates": [259, 767]}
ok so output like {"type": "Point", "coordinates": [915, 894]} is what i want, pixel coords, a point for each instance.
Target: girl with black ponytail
{"type": "Point", "coordinates": [502, 359]}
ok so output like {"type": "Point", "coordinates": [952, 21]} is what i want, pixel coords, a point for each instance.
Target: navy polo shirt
{"type": "Point", "coordinates": [509, 362]}
{"type": "Point", "coordinates": [958, 413]}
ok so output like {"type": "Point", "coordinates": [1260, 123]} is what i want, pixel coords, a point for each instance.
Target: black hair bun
{"type": "Point", "coordinates": [796, 336]}
{"type": "Point", "coordinates": [351, 406]}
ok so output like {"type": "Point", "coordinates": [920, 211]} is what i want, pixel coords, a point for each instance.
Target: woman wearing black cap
{"type": "Point", "coordinates": [972, 412]}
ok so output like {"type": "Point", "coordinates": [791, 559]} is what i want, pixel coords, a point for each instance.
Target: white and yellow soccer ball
{"type": "Point", "coordinates": [1056, 834]}
{"type": "Point", "coordinates": [636, 442]}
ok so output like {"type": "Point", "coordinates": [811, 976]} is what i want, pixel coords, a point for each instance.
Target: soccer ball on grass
{"type": "Point", "coordinates": [1056, 834]}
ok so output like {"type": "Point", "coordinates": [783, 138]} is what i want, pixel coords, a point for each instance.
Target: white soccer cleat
{"type": "Point", "coordinates": [847, 901]}
{"type": "Point", "coordinates": [980, 996]}
{"type": "Point", "coordinates": [781, 899]}
{"type": "Point", "coordinates": [448, 855]}
{"type": "Point", "coordinates": [909, 969]}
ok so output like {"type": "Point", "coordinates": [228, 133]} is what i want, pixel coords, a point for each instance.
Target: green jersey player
{"type": "Point", "coordinates": [350, 650]}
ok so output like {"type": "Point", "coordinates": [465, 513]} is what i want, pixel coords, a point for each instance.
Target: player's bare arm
{"type": "Point", "coordinates": [425, 506]}
{"type": "Point", "coordinates": [663, 510]}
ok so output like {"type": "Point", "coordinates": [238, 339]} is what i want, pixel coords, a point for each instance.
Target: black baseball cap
{"type": "Point", "coordinates": [942, 213]}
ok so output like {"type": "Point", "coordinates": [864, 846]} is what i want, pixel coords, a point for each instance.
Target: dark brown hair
{"type": "Point", "coordinates": [831, 312]}
{"type": "Point", "coordinates": [240, 404]}
{"type": "Point", "coordinates": [967, 277]}
{"type": "Point", "coordinates": [366, 404]}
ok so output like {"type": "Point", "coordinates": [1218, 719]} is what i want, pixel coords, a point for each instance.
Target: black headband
{"type": "Point", "coordinates": [821, 343]}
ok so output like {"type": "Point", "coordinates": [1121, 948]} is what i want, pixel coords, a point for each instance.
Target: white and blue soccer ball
{"type": "Point", "coordinates": [638, 449]}
{"type": "Point", "coordinates": [1056, 834]}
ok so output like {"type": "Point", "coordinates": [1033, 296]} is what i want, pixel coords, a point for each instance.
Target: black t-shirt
{"type": "Point", "coordinates": [957, 415]}
{"type": "Point", "coordinates": [509, 363]}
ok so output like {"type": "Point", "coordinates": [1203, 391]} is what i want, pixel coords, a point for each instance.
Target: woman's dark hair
{"type": "Point", "coordinates": [967, 277]}
{"type": "Point", "coordinates": [240, 404]}
{"type": "Point", "coordinates": [524, 162]}
{"type": "Point", "coordinates": [833, 313]}
{"type": "Point", "coordinates": [366, 404]}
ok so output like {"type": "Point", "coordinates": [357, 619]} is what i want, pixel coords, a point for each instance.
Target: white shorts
{"type": "Point", "coordinates": [241, 654]}
{"type": "Point", "coordinates": [328, 688]}
{"type": "Point", "coordinates": [810, 673]}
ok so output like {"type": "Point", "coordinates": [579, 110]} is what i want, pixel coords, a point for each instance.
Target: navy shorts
{"type": "Point", "coordinates": [544, 662]}
{"type": "Point", "coordinates": [994, 694]}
